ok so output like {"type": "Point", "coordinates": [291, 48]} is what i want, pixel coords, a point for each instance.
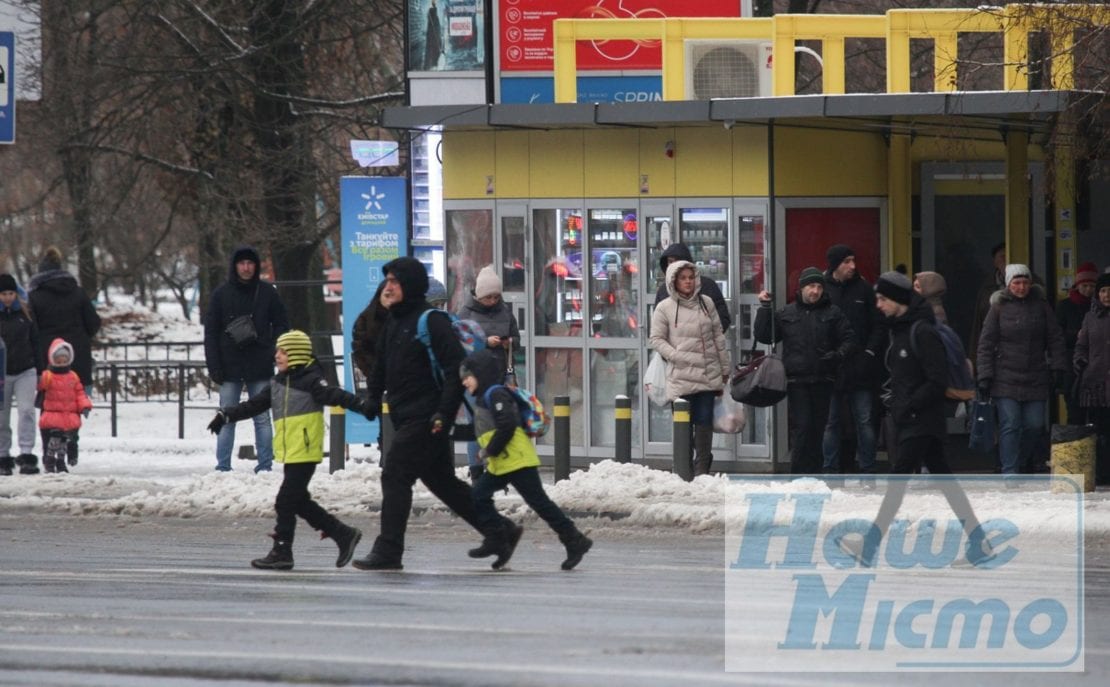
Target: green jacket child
{"type": "Point", "coordinates": [510, 459]}
{"type": "Point", "coordinates": [296, 396]}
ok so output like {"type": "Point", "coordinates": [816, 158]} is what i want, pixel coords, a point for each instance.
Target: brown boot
{"type": "Point", "coordinates": [703, 445]}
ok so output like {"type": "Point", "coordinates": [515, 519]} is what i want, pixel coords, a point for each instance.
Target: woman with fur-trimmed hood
{"type": "Point", "coordinates": [686, 330]}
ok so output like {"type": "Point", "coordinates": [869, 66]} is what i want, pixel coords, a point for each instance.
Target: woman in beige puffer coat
{"type": "Point", "coordinates": [686, 331]}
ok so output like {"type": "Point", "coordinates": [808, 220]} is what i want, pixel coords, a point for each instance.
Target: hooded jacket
{"type": "Point", "coordinates": [918, 374]}
{"type": "Point", "coordinates": [708, 286]}
{"type": "Point", "coordinates": [687, 332]}
{"type": "Point", "coordinates": [62, 310]}
{"type": "Point", "coordinates": [296, 398]}
{"type": "Point", "coordinates": [1092, 358]}
{"type": "Point", "coordinates": [63, 394]}
{"type": "Point", "coordinates": [1020, 346]}
{"type": "Point", "coordinates": [21, 338]}
{"type": "Point", "coordinates": [495, 320]}
{"type": "Point", "coordinates": [260, 300]}
{"type": "Point", "coordinates": [808, 332]}
{"type": "Point", "coordinates": [403, 369]}
{"type": "Point", "coordinates": [497, 423]}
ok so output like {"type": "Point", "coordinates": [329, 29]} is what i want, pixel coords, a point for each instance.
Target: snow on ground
{"type": "Point", "coordinates": [147, 471]}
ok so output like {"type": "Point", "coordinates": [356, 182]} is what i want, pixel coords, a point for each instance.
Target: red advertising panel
{"type": "Point", "coordinates": [810, 232]}
{"type": "Point", "coordinates": [526, 30]}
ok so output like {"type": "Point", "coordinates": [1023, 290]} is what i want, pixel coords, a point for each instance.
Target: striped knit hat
{"type": "Point", "coordinates": [297, 347]}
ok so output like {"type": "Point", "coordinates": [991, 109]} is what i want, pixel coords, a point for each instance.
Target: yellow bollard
{"type": "Point", "coordinates": [1073, 453]}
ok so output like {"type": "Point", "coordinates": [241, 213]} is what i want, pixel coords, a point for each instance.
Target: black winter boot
{"type": "Point", "coordinates": [28, 464]}
{"type": "Point", "coordinates": [511, 538]}
{"type": "Point", "coordinates": [47, 465]}
{"type": "Point", "coordinates": [703, 449]}
{"type": "Point", "coordinates": [7, 464]}
{"type": "Point", "coordinates": [346, 538]}
{"type": "Point", "coordinates": [279, 558]}
{"type": "Point", "coordinates": [577, 545]}
{"type": "Point", "coordinates": [378, 560]}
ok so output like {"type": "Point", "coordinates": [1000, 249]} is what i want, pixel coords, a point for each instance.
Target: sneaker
{"type": "Point", "coordinates": [512, 538]}
{"type": "Point", "coordinates": [376, 561]}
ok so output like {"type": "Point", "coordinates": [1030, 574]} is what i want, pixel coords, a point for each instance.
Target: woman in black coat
{"type": "Point", "coordinates": [62, 309]}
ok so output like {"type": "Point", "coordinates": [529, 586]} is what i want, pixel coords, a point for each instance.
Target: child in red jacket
{"type": "Point", "coordinates": [63, 403]}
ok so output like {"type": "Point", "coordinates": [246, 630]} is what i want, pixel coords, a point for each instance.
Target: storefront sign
{"type": "Point", "coordinates": [374, 226]}
{"type": "Point", "coordinates": [446, 35]}
{"type": "Point", "coordinates": [591, 89]}
{"type": "Point", "coordinates": [526, 28]}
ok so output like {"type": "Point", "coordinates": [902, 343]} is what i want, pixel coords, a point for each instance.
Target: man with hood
{"type": "Point", "coordinates": [857, 381]}
{"type": "Point", "coordinates": [421, 408]}
{"type": "Point", "coordinates": [816, 338]}
{"type": "Point", "coordinates": [62, 310]}
{"type": "Point", "coordinates": [679, 251]}
{"type": "Point", "coordinates": [244, 319]}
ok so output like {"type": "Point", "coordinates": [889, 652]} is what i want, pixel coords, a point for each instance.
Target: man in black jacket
{"type": "Point", "coordinates": [856, 382]}
{"type": "Point", "coordinates": [246, 363]}
{"type": "Point", "coordinates": [679, 251]}
{"type": "Point", "coordinates": [816, 338]}
{"type": "Point", "coordinates": [421, 411]}
{"type": "Point", "coordinates": [918, 379]}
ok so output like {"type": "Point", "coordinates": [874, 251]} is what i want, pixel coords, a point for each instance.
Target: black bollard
{"type": "Point", "coordinates": [337, 440]}
{"type": "Point", "coordinates": [622, 422]}
{"type": "Point", "coordinates": [386, 432]}
{"type": "Point", "coordinates": [681, 448]}
{"type": "Point", "coordinates": [562, 437]}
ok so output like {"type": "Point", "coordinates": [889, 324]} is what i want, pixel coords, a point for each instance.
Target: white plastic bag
{"type": "Point", "coordinates": [729, 416]}
{"type": "Point", "coordinates": [655, 380]}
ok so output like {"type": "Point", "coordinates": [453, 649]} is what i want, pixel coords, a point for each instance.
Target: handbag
{"type": "Point", "coordinates": [760, 383]}
{"type": "Point", "coordinates": [982, 434]}
{"type": "Point", "coordinates": [241, 329]}
{"type": "Point", "coordinates": [729, 416]}
{"type": "Point", "coordinates": [655, 380]}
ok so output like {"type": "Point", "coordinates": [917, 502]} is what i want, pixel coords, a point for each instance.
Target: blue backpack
{"type": "Point", "coordinates": [468, 332]}
{"type": "Point", "coordinates": [961, 381]}
{"type": "Point", "coordinates": [534, 420]}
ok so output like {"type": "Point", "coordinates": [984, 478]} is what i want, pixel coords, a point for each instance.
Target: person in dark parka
{"type": "Point", "coordinates": [63, 310]}
{"type": "Point", "coordinates": [1092, 367]}
{"type": "Point", "coordinates": [422, 410]}
{"type": "Point", "coordinates": [250, 365]}
{"type": "Point", "coordinates": [679, 251]}
{"type": "Point", "coordinates": [1069, 315]}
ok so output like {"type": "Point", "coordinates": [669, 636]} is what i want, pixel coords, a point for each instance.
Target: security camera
{"type": "Point", "coordinates": [729, 123]}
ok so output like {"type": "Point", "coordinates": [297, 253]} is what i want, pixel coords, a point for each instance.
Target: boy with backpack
{"type": "Point", "coordinates": [510, 459]}
{"type": "Point", "coordinates": [297, 395]}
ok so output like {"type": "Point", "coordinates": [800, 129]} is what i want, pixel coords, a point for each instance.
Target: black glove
{"type": "Point", "coordinates": [216, 377]}
{"type": "Point", "coordinates": [364, 407]}
{"type": "Point", "coordinates": [985, 388]}
{"type": "Point", "coordinates": [218, 422]}
{"type": "Point", "coordinates": [438, 423]}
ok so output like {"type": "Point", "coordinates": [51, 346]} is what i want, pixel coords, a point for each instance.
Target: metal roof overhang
{"type": "Point", "coordinates": [978, 114]}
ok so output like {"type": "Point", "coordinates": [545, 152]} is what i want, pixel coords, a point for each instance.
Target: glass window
{"type": "Point", "coordinates": [614, 272]}
{"type": "Point", "coordinates": [660, 236]}
{"type": "Point", "coordinates": [612, 373]}
{"type": "Point", "coordinates": [469, 248]}
{"type": "Point", "coordinates": [750, 229]}
{"type": "Point", "coordinates": [705, 233]}
{"type": "Point", "coordinates": [512, 248]}
{"type": "Point", "coordinates": [559, 373]}
{"type": "Point", "coordinates": [559, 290]}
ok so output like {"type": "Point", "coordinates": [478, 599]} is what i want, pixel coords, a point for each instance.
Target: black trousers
{"type": "Point", "coordinates": [1100, 418]}
{"type": "Point", "coordinates": [293, 499]}
{"type": "Point", "coordinates": [808, 412]}
{"type": "Point", "coordinates": [417, 454]}
{"type": "Point", "coordinates": [528, 484]}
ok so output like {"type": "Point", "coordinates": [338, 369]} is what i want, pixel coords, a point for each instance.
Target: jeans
{"type": "Point", "coordinates": [230, 393]}
{"type": "Point", "coordinates": [860, 404]}
{"type": "Point", "coordinates": [1020, 424]}
{"type": "Point", "coordinates": [528, 484]}
{"type": "Point", "coordinates": [20, 388]}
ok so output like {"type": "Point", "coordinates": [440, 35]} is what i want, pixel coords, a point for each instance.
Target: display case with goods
{"type": "Point", "coordinates": [614, 272]}
{"type": "Point", "coordinates": [705, 233]}
{"type": "Point", "coordinates": [559, 245]}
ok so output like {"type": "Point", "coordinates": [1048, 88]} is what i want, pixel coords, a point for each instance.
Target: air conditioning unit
{"type": "Point", "coordinates": [727, 69]}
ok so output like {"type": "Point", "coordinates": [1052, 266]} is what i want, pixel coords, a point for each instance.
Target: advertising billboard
{"type": "Point", "coordinates": [446, 35]}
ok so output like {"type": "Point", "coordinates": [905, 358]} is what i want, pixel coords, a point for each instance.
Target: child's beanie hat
{"type": "Point", "coordinates": [59, 345]}
{"type": "Point", "coordinates": [7, 283]}
{"type": "Point", "coordinates": [297, 347]}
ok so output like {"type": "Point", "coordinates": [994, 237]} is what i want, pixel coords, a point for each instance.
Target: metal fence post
{"type": "Point", "coordinates": [681, 446]}
{"type": "Point", "coordinates": [386, 431]}
{"type": "Point", "coordinates": [622, 421]}
{"type": "Point", "coordinates": [113, 378]}
{"type": "Point", "coordinates": [180, 401]}
{"type": "Point", "coordinates": [562, 437]}
{"type": "Point", "coordinates": [337, 446]}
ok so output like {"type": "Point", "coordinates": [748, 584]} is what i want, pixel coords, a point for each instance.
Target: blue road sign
{"type": "Point", "coordinates": [7, 87]}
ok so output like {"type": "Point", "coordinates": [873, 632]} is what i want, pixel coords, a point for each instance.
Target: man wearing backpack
{"type": "Point", "coordinates": [421, 408]}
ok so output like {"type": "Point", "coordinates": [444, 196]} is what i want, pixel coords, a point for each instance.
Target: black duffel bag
{"type": "Point", "coordinates": [760, 383]}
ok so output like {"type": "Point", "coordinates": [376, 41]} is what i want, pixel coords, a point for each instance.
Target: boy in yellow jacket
{"type": "Point", "coordinates": [297, 395]}
{"type": "Point", "coordinates": [510, 459]}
